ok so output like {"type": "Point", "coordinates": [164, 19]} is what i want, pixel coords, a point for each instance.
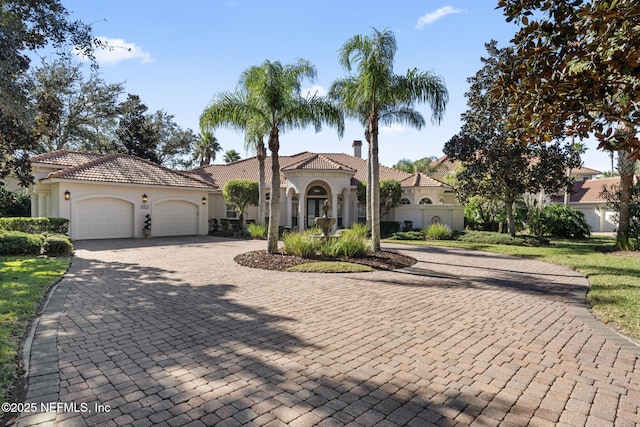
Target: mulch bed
{"type": "Point", "coordinates": [383, 260]}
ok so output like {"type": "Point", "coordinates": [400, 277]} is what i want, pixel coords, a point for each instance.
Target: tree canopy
{"type": "Point", "coordinates": [25, 26]}
{"type": "Point", "coordinates": [578, 70]}
{"type": "Point", "coordinates": [493, 167]}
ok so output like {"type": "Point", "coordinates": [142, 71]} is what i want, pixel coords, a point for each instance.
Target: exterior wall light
{"type": "Point", "coordinates": [67, 195]}
{"type": "Point", "coordinates": [204, 200]}
{"type": "Point", "coordinates": [145, 198]}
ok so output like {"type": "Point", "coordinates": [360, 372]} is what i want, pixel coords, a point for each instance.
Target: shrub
{"type": "Point", "coordinates": [438, 232]}
{"type": "Point", "coordinates": [307, 245]}
{"type": "Point", "coordinates": [387, 228]}
{"type": "Point", "coordinates": [257, 231]}
{"type": "Point", "coordinates": [494, 238]}
{"type": "Point", "coordinates": [562, 221]}
{"type": "Point", "coordinates": [351, 245]}
{"type": "Point", "coordinates": [58, 245]}
{"type": "Point", "coordinates": [299, 244]}
{"type": "Point", "coordinates": [35, 225]}
{"type": "Point", "coordinates": [408, 235]}
{"type": "Point", "coordinates": [20, 243]}
{"type": "Point", "coordinates": [357, 229]}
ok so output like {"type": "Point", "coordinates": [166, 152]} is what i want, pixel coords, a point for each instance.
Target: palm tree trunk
{"type": "Point", "coordinates": [367, 136]}
{"type": "Point", "coordinates": [375, 185]}
{"type": "Point", "coordinates": [261, 154]}
{"type": "Point", "coordinates": [274, 207]}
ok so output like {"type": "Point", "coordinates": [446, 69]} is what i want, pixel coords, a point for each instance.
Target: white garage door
{"type": "Point", "coordinates": [103, 218]}
{"type": "Point", "coordinates": [174, 218]}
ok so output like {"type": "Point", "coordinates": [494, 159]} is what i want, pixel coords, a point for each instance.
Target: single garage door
{"type": "Point", "coordinates": [174, 218]}
{"type": "Point", "coordinates": [103, 218]}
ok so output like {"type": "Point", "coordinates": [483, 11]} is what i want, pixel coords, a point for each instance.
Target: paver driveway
{"type": "Point", "coordinates": [173, 332]}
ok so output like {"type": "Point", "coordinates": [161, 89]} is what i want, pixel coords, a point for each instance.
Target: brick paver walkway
{"type": "Point", "coordinates": [172, 332]}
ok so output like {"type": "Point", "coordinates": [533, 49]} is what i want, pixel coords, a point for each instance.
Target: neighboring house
{"type": "Point", "coordinates": [108, 196]}
{"type": "Point", "coordinates": [585, 197]}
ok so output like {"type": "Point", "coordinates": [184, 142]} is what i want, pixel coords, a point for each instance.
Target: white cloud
{"type": "Point", "coordinates": [394, 128]}
{"type": "Point", "coordinates": [431, 17]}
{"type": "Point", "coordinates": [118, 50]}
{"type": "Point", "coordinates": [314, 90]}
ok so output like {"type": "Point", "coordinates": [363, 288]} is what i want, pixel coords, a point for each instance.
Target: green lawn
{"type": "Point", "coordinates": [615, 280]}
{"type": "Point", "coordinates": [24, 282]}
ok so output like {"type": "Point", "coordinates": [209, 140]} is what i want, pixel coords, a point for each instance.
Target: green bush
{"type": "Point", "coordinates": [35, 225]}
{"type": "Point", "coordinates": [357, 229]}
{"type": "Point", "coordinates": [308, 245]}
{"type": "Point", "coordinates": [437, 232]}
{"type": "Point", "coordinates": [494, 238]}
{"type": "Point", "coordinates": [351, 245]}
{"type": "Point", "coordinates": [387, 228]}
{"type": "Point", "coordinates": [257, 231]}
{"type": "Point", "coordinates": [299, 244]}
{"type": "Point", "coordinates": [20, 243]}
{"type": "Point", "coordinates": [407, 235]}
{"type": "Point", "coordinates": [58, 245]}
{"type": "Point", "coordinates": [562, 221]}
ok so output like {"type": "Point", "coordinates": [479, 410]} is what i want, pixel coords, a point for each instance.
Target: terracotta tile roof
{"type": "Point", "coordinates": [318, 162]}
{"type": "Point", "coordinates": [126, 169]}
{"type": "Point", "coordinates": [590, 189]}
{"type": "Point", "coordinates": [585, 171]}
{"type": "Point", "coordinates": [65, 158]}
{"type": "Point", "coordinates": [420, 179]}
{"type": "Point", "coordinates": [443, 165]}
{"type": "Point", "coordinates": [248, 168]}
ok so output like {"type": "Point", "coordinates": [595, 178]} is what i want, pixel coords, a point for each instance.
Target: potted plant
{"type": "Point", "coordinates": [146, 230]}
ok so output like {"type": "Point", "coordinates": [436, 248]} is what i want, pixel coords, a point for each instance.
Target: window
{"type": "Point", "coordinates": [294, 211]}
{"type": "Point", "coordinates": [441, 200]}
{"type": "Point", "coordinates": [405, 201]}
{"type": "Point", "coordinates": [231, 212]}
{"type": "Point", "coordinates": [426, 201]}
{"type": "Point", "coordinates": [317, 191]}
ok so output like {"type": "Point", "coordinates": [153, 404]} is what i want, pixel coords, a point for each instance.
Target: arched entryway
{"type": "Point", "coordinates": [316, 195]}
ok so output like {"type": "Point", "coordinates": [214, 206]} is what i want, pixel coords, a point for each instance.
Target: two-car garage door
{"type": "Point", "coordinates": [112, 218]}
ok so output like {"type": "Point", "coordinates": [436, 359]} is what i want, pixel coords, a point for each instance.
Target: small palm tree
{"type": "Point", "coordinates": [207, 146]}
{"type": "Point", "coordinates": [231, 156]}
{"type": "Point", "coordinates": [375, 95]}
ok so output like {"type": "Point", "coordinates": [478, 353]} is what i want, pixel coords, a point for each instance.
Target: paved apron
{"type": "Point", "coordinates": [172, 332]}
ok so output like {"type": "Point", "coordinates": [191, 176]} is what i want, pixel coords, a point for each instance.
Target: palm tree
{"type": "Point", "coordinates": [270, 99]}
{"type": "Point", "coordinates": [231, 156]}
{"type": "Point", "coordinates": [375, 95]}
{"type": "Point", "coordinates": [207, 146]}
{"type": "Point", "coordinates": [223, 111]}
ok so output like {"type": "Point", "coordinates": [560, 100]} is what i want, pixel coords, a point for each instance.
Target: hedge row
{"type": "Point", "coordinates": [35, 225]}
{"type": "Point", "coordinates": [20, 243]}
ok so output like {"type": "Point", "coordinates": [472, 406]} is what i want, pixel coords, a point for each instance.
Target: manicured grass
{"type": "Point", "coordinates": [330, 267]}
{"type": "Point", "coordinates": [615, 280]}
{"type": "Point", "coordinates": [24, 281]}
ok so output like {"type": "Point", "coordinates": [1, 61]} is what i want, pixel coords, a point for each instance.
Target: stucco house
{"type": "Point", "coordinates": [585, 197]}
{"type": "Point", "coordinates": [109, 196]}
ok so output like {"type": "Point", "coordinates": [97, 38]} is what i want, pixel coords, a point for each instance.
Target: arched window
{"type": "Point", "coordinates": [426, 201]}
{"type": "Point", "coordinates": [316, 190]}
{"type": "Point", "coordinates": [405, 201]}
{"type": "Point", "coordinates": [441, 200]}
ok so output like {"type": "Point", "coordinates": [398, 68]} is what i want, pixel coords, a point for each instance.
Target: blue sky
{"type": "Point", "coordinates": [179, 55]}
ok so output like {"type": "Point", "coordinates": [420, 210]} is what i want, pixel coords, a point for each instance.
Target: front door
{"type": "Point", "coordinates": [314, 210]}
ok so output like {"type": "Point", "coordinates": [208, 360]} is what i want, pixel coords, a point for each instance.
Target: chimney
{"type": "Point", "coordinates": [357, 149]}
